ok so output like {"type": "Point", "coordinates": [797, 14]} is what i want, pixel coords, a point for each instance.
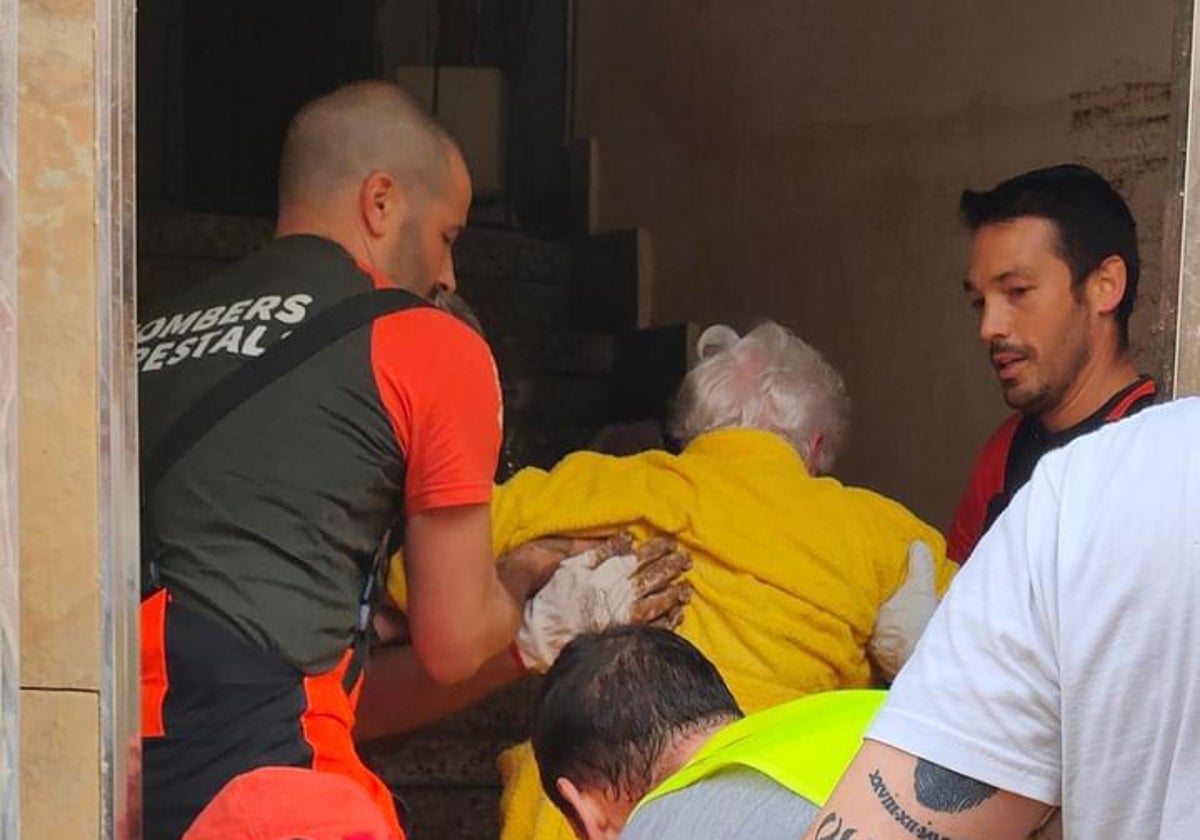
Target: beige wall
{"type": "Point", "coordinates": [9, 601]}
{"type": "Point", "coordinates": [60, 617]}
{"type": "Point", "coordinates": [802, 161]}
{"type": "Point", "coordinates": [74, 479]}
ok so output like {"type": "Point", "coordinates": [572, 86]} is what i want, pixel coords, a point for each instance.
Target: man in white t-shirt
{"type": "Point", "coordinates": [1063, 668]}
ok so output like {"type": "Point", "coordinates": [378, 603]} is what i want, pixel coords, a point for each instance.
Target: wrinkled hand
{"type": "Point", "coordinates": [902, 618]}
{"type": "Point", "coordinates": [601, 588]}
{"type": "Point", "coordinates": [658, 595]}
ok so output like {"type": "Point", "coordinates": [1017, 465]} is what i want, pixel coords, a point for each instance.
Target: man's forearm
{"type": "Point", "coordinates": [887, 794]}
{"type": "Point", "coordinates": [516, 581]}
{"type": "Point", "coordinates": [398, 696]}
{"type": "Point", "coordinates": [460, 613]}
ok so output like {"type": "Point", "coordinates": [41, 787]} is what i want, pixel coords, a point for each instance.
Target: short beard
{"type": "Point", "coordinates": [407, 267]}
{"type": "Point", "coordinates": [1036, 403]}
{"type": "Point", "coordinates": [1047, 398]}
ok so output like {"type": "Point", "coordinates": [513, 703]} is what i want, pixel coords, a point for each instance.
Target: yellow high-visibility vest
{"type": "Point", "coordinates": [804, 745]}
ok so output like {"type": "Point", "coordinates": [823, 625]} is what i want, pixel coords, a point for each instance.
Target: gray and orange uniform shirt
{"type": "Point", "coordinates": [1007, 460]}
{"type": "Point", "coordinates": [263, 532]}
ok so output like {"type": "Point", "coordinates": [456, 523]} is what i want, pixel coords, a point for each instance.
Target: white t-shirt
{"type": "Point", "coordinates": [1064, 664]}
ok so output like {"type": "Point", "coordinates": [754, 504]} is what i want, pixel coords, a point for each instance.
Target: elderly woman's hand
{"type": "Point", "coordinates": [600, 588]}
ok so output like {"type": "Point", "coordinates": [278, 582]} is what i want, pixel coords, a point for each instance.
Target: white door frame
{"type": "Point", "coordinates": [1181, 228]}
{"type": "Point", "coordinates": [10, 624]}
{"type": "Point", "coordinates": [116, 313]}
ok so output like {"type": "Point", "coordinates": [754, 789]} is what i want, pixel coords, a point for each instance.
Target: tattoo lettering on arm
{"type": "Point", "coordinates": [904, 819]}
{"type": "Point", "coordinates": [947, 792]}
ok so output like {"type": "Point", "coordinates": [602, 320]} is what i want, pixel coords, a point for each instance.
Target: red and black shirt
{"type": "Point", "coordinates": [269, 522]}
{"type": "Point", "coordinates": [1008, 458]}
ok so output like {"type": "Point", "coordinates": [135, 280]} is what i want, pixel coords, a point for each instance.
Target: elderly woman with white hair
{"type": "Point", "coordinates": [769, 380]}
{"type": "Point", "coordinates": [799, 583]}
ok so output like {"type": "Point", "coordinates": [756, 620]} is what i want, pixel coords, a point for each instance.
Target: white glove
{"type": "Point", "coordinates": [902, 618]}
{"type": "Point", "coordinates": [590, 593]}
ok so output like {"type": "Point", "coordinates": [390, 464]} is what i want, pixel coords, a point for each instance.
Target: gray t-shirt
{"type": "Point", "coordinates": [734, 804]}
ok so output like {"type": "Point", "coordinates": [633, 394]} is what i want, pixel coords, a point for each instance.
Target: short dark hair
{"type": "Point", "coordinates": [614, 702]}
{"type": "Point", "coordinates": [1092, 219]}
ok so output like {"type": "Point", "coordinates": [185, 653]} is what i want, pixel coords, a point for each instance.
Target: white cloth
{"type": "Point", "coordinates": [1064, 664]}
{"type": "Point", "coordinates": [902, 618]}
{"type": "Point", "coordinates": [581, 597]}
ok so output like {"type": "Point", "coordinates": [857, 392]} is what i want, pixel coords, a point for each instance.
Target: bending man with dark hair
{"type": "Point", "coordinates": [1053, 278]}
{"type": "Point", "coordinates": [637, 735]}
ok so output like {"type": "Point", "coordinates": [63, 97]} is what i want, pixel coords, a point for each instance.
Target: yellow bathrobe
{"type": "Point", "coordinates": [789, 570]}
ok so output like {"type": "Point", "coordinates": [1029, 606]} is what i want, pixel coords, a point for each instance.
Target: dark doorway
{"type": "Point", "coordinates": [218, 81]}
{"type": "Point", "coordinates": [228, 75]}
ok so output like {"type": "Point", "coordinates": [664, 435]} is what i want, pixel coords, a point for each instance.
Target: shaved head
{"type": "Point", "coordinates": [336, 141]}
{"type": "Point", "coordinates": [365, 167]}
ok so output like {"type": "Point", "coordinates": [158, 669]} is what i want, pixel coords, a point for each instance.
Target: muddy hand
{"type": "Point", "coordinates": [663, 609]}
{"type": "Point", "coordinates": [659, 594]}
{"type": "Point", "coordinates": [671, 620]}
{"type": "Point", "coordinates": [659, 562]}
{"type": "Point", "coordinates": [596, 551]}
{"type": "Point", "coordinates": [608, 585]}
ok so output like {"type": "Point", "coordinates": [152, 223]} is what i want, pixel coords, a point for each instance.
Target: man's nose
{"type": "Point", "coordinates": [994, 322]}
{"type": "Point", "coordinates": [448, 280]}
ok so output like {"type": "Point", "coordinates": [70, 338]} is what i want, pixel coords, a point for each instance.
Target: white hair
{"type": "Point", "coordinates": [769, 380]}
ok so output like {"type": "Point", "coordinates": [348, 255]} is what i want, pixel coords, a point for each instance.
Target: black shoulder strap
{"type": "Point", "coordinates": [322, 330]}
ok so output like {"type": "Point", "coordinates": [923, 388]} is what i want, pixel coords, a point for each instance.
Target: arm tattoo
{"type": "Point", "coordinates": [833, 828]}
{"type": "Point", "coordinates": [903, 819]}
{"type": "Point", "coordinates": [947, 792]}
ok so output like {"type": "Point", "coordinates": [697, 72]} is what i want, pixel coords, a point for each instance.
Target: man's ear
{"type": "Point", "coordinates": [589, 817]}
{"type": "Point", "coordinates": [380, 200]}
{"type": "Point", "coordinates": [1106, 286]}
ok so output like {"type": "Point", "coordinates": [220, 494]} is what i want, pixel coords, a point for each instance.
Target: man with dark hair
{"type": "Point", "coordinates": [1053, 278]}
{"type": "Point", "coordinates": [637, 734]}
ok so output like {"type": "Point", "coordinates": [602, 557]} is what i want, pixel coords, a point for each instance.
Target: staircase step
{"type": "Point", "coordinates": [462, 748]}
{"type": "Point", "coordinates": [503, 256]}
{"type": "Point", "coordinates": [513, 281]}
{"type": "Point", "coordinates": [437, 760]}
{"type": "Point", "coordinates": [507, 714]}
{"type": "Point", "coordinates": [505, 307]}
{"type": "Point", "coordinates": [447, 774]}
